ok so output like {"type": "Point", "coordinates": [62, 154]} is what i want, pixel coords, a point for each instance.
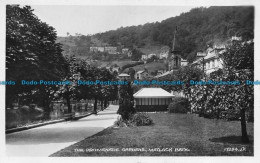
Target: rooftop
{"type": "Point", "coordinates": [152, 93]}
{"type": "Point", "coordinates": [164, 74]}
{"type": "Point", "coordinates": [122, 75]}
{"type": "Point", "coordinates": [139, 72]}
{"type": "Point", "coordinates": [211, 54]}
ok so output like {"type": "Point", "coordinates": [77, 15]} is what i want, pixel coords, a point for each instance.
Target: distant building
{"type": "Point", "coordinates": [150, 55]}
{"type": "Point", "coordinates": [130, 54]}
{"type": "Point", "coordinates": [184, 62]}
{"type": "Point", "coordinates": [164, 74]}
{"type": "Point", "coordinates": [175, 62]}
{"type": "Point", "coordinates": [233, 38]}
{"type": "Point", "coordinates": [201, 54]}
{"type": "Point", "coordinates": [144, 57]}
{"type": "Point", "coordinates": [124, 76]}
{"type": "Point", "coordinates": [160, 72]}
{"type": "Point", "coordinates": [115, 69]}
{"type": "Point", "coordinates": [108, 49]}
{"type": "Point", "coordinates": [141, 74]}
{"type": "Point", "coordinates": [221, 46]}
{"type": "Point", "coordinates": [212, 61]}
{"type": "Point", "coordinates": [164, 55]}
{"type": "Point", "coordinates": [127, 52]}
{"type": "Point", "coordinates": [97, 49]}
{"type": "Point", "coordinates": [111, 50]}
{"type": "Point", "coordinates": [197, 63]}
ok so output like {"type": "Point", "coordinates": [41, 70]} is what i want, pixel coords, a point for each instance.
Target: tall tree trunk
{"type": "Point", "coordinates": [245, 138]}
{"type": "Point", "coordinates": [95, 106]}
{"type": "Point", "coordinates": [105, 104]}
{"type": "Point", "coordinates": [46, 106]}
{"type": "Point", "coordinates": [102, 106]}
{"type": "Point", "coordinates": [68, 104]}
{"type": "Point", "coordinates": [218, 113]}
{"type": "Point", "coordinates": [86, 105]}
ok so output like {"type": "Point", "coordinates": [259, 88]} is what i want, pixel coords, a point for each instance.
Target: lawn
{"type": "Point", "coordinates": [173, 134]}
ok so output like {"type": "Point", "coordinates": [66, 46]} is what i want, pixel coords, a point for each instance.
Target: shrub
{"type": "Point", "coordinates": [25, 109]}
{"type": "Point", "coordinates": [120, 123]}
{"type": "Point", "coordinates": [179, 105]}
{"type": "Point", "coordinates": [141, 119]}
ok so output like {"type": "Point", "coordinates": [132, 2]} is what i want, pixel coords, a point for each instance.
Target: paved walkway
{"type": "Point", "coordinates": [46, 140]}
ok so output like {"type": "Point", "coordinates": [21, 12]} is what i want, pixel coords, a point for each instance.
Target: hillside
{"type": "Point", "coordinates": [195, 30]}
{"type": "Point", "coordinates": [151, 67]}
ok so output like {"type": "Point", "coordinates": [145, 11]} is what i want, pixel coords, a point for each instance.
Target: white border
{"type": "Point", "coordinates": [218, 159]}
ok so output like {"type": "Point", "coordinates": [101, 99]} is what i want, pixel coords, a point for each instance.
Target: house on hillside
{"type": "Point", "coordinates": [160, 72]}
{"type": "Point", "coordinates": [152, 99]}
{"type": "Point", "coordinates": [144, 57]}
{"type": "Point", "coordinates": [210, 59]}
{"type": "Point", "coordinates": [96, 49]}
{"type": "Point", "coordinates": [211, 62]}
{"type": "Point", "coordinates": [127, 51]}
{"type": "Point", "coordinates": [150, 55]}
{"type": "Point", "coordinates": [124, 76]}
{"type": "Point", "coordinates": [111, 50]}
{"type": "Point", "coordinates": [108, 49]}
{"type": "Point", "coordinates": [164, 55]}
{"type": "Point", "coordinates": [197, 63]}
{"type": "Point", "coordinates": [141, 74]}
{"type": "Point", "coordinates": [164, 74]}
{"type": "Point", "coordinates": [236, 38]}
{"type": "Point", "coordinates": [184, 62]}
{"type": "Point", "coordinates": [116, 68]}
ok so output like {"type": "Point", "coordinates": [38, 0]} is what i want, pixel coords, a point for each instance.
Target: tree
{"type": "Point", "coordinates": [184, 74]}
{"type": "Point", "coordinates": [239, 65]}
{"type": "Point", "coordinates": [126, 101]}
{"type": "Point", "coordinates": [31, 54]}
{"type": "Point", "coordinates": [131, 72]}
{"type": "Point", "coordinates": [136, 55]}
{"type": "Point", "coordinates": [152, 59]}
{"type": "Point", "coordinates": [68, 91]}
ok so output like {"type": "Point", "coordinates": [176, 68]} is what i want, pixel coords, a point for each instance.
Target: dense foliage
{"type": "Point", "coordinates": [196, 29]}
{"type": "Point", "coordinates": [126, 102]}
{"type": "Point", "coordinates": [141, 119]}
{"type": "Point", "coordinates": [31, 54]}
{"type": "Point", "coordinates": [137, 119]}
{"type": "Point", "coordinates": [179, 105]}
{"type": "Point", "coordinates": [230, 102]}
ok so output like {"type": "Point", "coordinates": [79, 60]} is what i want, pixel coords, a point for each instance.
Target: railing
{"type": "Point", "coordinates": [25, 115]}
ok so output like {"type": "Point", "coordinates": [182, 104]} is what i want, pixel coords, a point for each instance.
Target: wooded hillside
{"type": "Point", "coordinates": [195, 30]}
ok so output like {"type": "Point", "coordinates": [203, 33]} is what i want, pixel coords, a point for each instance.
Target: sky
{"type": "Point", "coordinates": [94, 19]}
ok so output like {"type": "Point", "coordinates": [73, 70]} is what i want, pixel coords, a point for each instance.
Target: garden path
{"type": "Point", "coordinates": [45, 140]}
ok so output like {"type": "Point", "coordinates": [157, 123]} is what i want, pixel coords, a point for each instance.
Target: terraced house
{"type": "Point", "coordinates": [210, 59]}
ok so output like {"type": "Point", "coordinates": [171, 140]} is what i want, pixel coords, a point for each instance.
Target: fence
{"type": "Point", "coordinates": [26, 115]}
